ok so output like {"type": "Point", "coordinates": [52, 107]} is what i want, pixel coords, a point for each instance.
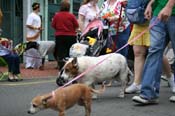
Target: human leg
{"type": "Point", "coordinates": [172, 98]}
{"type": "Point", "coordinates": [152, 68]}
{"type": "Point", "coordinates": [171, 28]}
{"type": "Point", "coordinates": [68, 43]}
{"type": "Point", "coordinates": [58, 48]}
{"type": "Point", "coordinates": [16, 67]}
{"type": "Point", "coordinates": [13, 62]}
{"type": "Point", "coordinates": [168, 73]}
{"type": "Point", "coordinates": [8, 60]}
{"type": "Point", "coordinates": [122, 39]}
{"type": "Point", "coordinates": [166, 67]}
{"type": "Point", "coordinates": [139, 60]}
{"type": "Point", "coordinates": [63, 44]}
{"type": "Point", "coordinates": [16, 64]}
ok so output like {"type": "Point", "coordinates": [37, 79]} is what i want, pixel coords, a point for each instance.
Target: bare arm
{"type": "Point", "coordinates": [34, 28]}
{"type": "Point", "coordinates": [33, 38]}
{"type": "Point", "coordinates": [81, 20]}
{"type": "Point", "coordinates": [148, 10]}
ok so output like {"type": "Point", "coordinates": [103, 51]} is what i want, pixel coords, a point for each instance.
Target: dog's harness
{"type": "Point", "coordinates": [53, 94]}
{"type": "Point", "coordinates": [54, 98]}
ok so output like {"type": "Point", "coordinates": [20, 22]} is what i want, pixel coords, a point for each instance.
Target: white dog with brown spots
{"type": "Point", "coordinates": [113, 67]}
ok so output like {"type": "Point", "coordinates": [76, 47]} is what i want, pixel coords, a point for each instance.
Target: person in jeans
{"type": "Point", "coordinates": [164, 20]}
{"type": "Point", "coordinates": [13, 62]}
{"type": "Point", "coordinates": [140, 48]}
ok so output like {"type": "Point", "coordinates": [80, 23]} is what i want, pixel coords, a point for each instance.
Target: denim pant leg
{"type": "Point", "coordinates": [13, 62]}
{"type": "Point", "coordinates": [171, 32]}
{"type": "Point", "coordinates": [153, 64]}
{"type": "Point", "coordinates": [9, 62]}
{"type": "Point", "coordinates": [16, 64]}
{"type": "Point", "coordinates": [122, 39]}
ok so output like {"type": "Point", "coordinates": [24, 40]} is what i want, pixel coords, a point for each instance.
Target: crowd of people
{"type": "Point", "coordinates": [148, 49]}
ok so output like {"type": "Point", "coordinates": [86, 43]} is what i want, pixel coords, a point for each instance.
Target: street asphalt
{"type": "Point", "coordinates": [15, 100]}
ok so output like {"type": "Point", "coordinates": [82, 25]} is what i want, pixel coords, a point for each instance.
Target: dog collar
{"type": "Point", "coordinates": [54, 98]}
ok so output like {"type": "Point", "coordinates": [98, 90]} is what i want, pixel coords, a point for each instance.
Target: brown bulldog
{"type": "Point", "coordinates": [64, 98]}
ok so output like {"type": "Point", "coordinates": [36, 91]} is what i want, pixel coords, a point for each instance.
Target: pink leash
{"type": "Point", "coordinates": [94, 66]}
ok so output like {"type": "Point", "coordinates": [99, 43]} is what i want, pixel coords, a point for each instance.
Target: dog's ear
{"type": "Point", "coordinates": [44, 100]}
{"type": "Point", "coordinates": [74, 62]}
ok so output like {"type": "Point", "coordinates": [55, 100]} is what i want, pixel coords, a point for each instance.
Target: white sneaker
{"type": "Point", "coordinates": [172, 83]}
{"type": "Point", "coordinates": [143, 101]}
{"type": "Point", "coordinates": [172, 98]}
{"type": "Point", "coordinates": [133, 88]}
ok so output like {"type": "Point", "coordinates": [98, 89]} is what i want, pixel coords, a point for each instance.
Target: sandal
{"type": "Point", "coordinates": [18, 77]}
{"type": "Point", "coordinates": [11, 78]}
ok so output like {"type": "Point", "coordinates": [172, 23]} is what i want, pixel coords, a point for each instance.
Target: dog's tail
{"type": "Point", "coordinates": [99, 91]}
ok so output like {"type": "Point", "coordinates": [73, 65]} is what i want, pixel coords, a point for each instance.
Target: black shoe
{"type": "Point", "coordinates": [11, 80]}
{"type": "Point", "coordinates": [29, 67]}
{"type": "Point", "coordinates": [19, 79]}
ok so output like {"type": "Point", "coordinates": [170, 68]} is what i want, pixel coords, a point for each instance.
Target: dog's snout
{"type": "Point", "coordinates": [32, 111]}
{"type": "Point", "coordinates": [60, 81]}
{"type": "Point", "coordinates": [29, 112]}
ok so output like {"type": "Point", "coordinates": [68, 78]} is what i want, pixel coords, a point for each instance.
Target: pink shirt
{"type": "Point", "coordinates": [89, 14]}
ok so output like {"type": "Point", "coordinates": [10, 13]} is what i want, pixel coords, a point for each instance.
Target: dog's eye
{"type": "Point", "coordinates": [34, 105]}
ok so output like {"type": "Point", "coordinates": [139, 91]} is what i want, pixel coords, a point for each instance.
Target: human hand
{"type": "Point", "coordinates": [165, 13]}
{"type": "Point", "coordinates": [124, 3]}
{"type": "Point", "coordinates": [148, 12]}
{"type": "Point", "coordinates": [40, 28]}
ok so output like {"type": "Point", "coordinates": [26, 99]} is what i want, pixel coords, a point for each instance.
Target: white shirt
{"type": "Point", "coordinates": [4, 51]}
{"type": "Point", "coordinates": [89, 14]}
{"type": "Point", "coordinates": [34, 20]}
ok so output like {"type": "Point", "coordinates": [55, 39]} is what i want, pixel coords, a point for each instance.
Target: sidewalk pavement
{"type": "Point", "coordinates": [49, 71]}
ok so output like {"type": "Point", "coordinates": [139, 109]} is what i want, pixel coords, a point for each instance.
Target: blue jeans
{"type": "Point", "coordinates": [121, 40]}
{"type": "Point", "coordinates": [13, 62]}
{"type": "Point", "coordinates": [153, 64]}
